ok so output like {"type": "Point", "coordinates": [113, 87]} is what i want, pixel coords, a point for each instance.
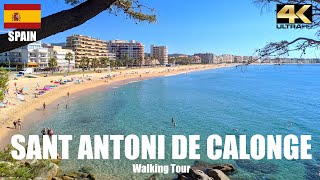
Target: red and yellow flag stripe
{"type": "Point", "coordinates": [22, 16]}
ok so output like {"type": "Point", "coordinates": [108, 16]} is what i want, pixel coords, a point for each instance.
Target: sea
{"type": "Point", "coordinates": [242, 100]}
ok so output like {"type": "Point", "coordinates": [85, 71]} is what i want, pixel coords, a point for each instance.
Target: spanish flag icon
{"type": "Point", "coordinates": [22, 16]}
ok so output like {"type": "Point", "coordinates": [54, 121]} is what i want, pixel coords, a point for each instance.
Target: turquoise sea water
{"type": "Point", "coordinates": [276, 100]}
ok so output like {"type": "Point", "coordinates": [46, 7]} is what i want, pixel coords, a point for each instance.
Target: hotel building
{"type": "Point", "coordinates": [85, 46]}
{"type": "Point", "coordinates": [134, 50]}
{"type": "Point", "coordinates": [160, 53]}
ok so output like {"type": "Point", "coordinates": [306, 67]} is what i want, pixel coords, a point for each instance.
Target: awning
{"type": "Point", "coordinates": [32, 64]}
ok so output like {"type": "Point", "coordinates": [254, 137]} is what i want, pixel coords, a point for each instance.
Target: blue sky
{"type": "Point", "coordinates": [218, 26]}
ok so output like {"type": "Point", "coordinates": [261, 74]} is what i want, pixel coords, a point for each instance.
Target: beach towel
{"type": "Point", "coordinates": [20, 97]}
{"type": "Point", "coordinates": [47, 88]}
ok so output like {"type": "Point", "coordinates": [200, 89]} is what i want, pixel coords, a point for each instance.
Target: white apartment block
{"type": "Point", "coordinates": [160, 53]}
{"type": "Point", "coordinates": [31, 55]}
{"type": "Point", "coordinates": [37, 55]}
{"type": "Point", "coordinates": [60, 54]}
{"type": "Point", "coordinates": [121, 48]}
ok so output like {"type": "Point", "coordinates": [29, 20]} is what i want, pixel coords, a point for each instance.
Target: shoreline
{"type": "Point", "coordinates": [26, 111]}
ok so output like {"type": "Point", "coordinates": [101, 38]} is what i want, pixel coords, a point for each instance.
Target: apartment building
{"type": "Point", "coordinates": [206, 58]}
{"type": "Point", "coordinates": [85, 46]}
{"type": "Point", "coordinates": [227, 58]}
{"type": "Point", "coordinates": [121, 48]}
{"type": "Point", "coordinates": [31, 55]}
{"type": "Point", "coordinates": [60, 54]}
{"type": "Point", "coordinates": [160, 53]}
{"type": "Point", "coordinates": [238, 59]}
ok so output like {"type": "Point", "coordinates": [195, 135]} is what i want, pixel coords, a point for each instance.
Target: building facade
{"type": "Point", "coordinates": [31, 55]}
{"type": "Point", "coordinates": [111, 56]}
{"type": "Point", "coordinates": [86, 47]}
{"type": "Point", "coordinates": [160, 53]}
{"type": "Point", "coordinates": [122, 48]}
{"type": "Point", "coordinates": [227, 58]}
{"type": "Point", "coordinates": [206, 58]}
{"type": "Point", "coordinates": [60, 54]}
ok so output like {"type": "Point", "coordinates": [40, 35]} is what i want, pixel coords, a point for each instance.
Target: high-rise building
{"type": "Point", "coordinates": [85, 46]}
{"type": "Point", "coordinates": [122, 48]}
{"type": "Point", "coordinates": [160, 53]}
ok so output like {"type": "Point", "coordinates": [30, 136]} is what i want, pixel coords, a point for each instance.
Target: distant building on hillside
{"type": "Point", "coordinates": [121, 48]}
{"type": "Point", "coordinates": [160, 53]}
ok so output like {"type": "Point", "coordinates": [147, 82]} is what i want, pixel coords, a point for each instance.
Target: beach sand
{"type": "Point", "coordinates": [23, 109]}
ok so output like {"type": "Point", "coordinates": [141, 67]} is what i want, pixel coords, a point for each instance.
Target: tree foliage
{"type": "Point", "coordinates": [53, 63]}
{"type": "Point", "coordinates": [83, 11]}
{"type": "Point", "coordinates": [4, 78]}
{"type": "Point", "coordinates": [299, 44]}
{"type": "Point", "coordinates": [131, 8]}
{"type": "Point", "coordinates": [95, 63]}
{"type": "Point", "coordinates": [69, 58]}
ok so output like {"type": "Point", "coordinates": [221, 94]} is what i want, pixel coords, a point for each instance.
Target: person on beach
{"type": "Point", "coordinates": [58, 106]}
{"type": "Point", "coordinates": [44, 106]}
{"type": "Point", "coordinates": [66, 106]}
{"type": "Point", "coordinates": [50, 132]}
{"type": "Point", "coordinates": [15, 84]}
{"type": "Point", "coordinates": [58, 156]}
{"type": "Point", "coordinates": [43, 131]}
{"type": "Point", "coordinates": [15, 124]}
{"type": "Point", "coordinates": [19, 123]}
{"type": "Point", "coordinates": [68, 94]}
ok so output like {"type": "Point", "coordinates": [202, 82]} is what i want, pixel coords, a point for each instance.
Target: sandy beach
{"type": "Point", "coordinates": [18, 109]}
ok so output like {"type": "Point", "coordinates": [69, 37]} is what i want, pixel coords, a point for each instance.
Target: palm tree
{"type": "Point", "coordinates": [126, 60]}
{"type": "Point", "coordinates": [132, 62]}
{"type": "Point", "coordinates": [112, 64]}
{"type": "Point", "coordinates": [53, 63]}
{"type": "Point", "coordinates": [139, 61]}
{"type": "Point", "coordinates": [119, 63]}
{"type": "Point", "coordinates": [83, 63]}
{"type": "Point", "coordinates": [94, 63]}
{"type": "Point", "coordinates": [87, 62]}
{"type": "Point", "coordinates": [104, 61]}
{"type": "Point", "coordinates": [69, 58]}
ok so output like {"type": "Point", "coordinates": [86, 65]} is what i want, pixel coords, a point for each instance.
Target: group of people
{"type": "Point", "coordinates": [47, 131]}
{"type": "Point", "coordinates": [17, 124]}
{"type": "Point", "coordinates": [174, 123]}
{"type": "Point", "coordinates": [44, 106]}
